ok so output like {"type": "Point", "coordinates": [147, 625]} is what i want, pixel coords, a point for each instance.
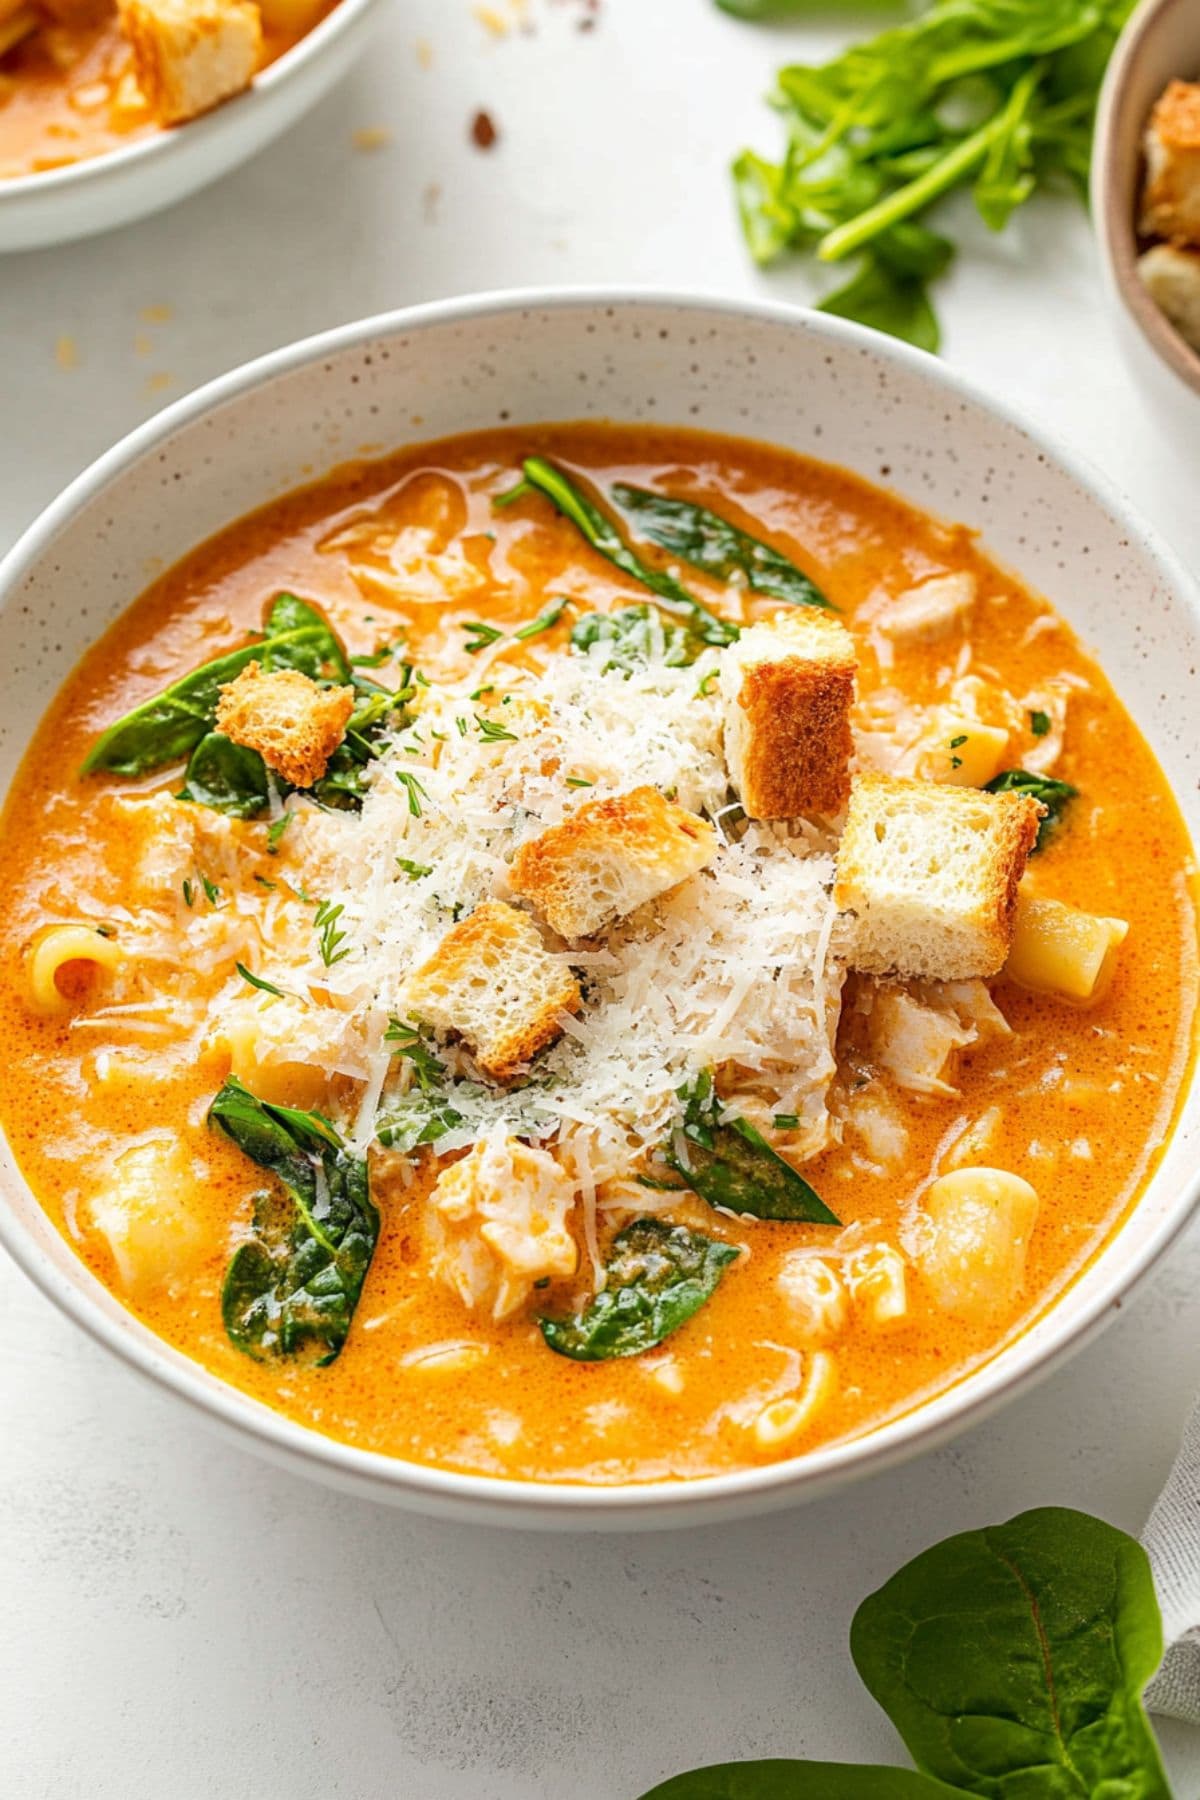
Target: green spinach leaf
{"type": "Point", "coordinates": [291, 1290]}
{"type": "Point", "coordinates": [785, 1780]}
{"type": "Point", "coordinates": [1012, 1660]}
{"type": "Point", "coordinates": [1053, 795]}
{"type": "Point", "coordinates": [659, 1275]}
{"type": "Point", "coordinates": [711, 544]}
{"type": "Point", "coordinates": [228, 777]}
{"type": "Point", "coordinates": [170, 726]}
{"type": "Point", "coordinates": [731, 1164]}
{"type": "Point", "coordinates": [602, 534]}
{"type": "Point", "coordinates": [634, 637]}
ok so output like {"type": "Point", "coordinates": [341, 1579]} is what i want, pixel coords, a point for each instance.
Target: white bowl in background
{"type": "Point", "coordinates": [1160, 43]}
{"type": "Point", "coordinates": [100, 192]}
{"type": "Point", "coordinates": [803, 380]}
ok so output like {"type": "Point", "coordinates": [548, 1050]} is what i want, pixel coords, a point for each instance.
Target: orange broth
{"type": "Point", "coordinates": [1086, 1097]}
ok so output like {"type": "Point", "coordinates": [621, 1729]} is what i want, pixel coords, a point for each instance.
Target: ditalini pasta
{"type": "Point", "coordinates": [591, 954]}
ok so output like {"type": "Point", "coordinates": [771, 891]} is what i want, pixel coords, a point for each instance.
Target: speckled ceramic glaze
{"type": "Point", "coordinates": [86, 197]}
{"type": "Point", "coordinates": [813, 384]}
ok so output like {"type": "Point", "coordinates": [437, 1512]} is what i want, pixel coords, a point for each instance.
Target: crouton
{"type": "Point", "coordinates": [497, 1224]}
{"type": "Point", "coordinates": [1171, 277]}
{"type": "Point", "coordinates": [188, 55]}
{"type": "Point", "coordinates": [787, 686]}
{"type": "Point", "coordinates": [493, 982]}
{"type": "Point", "coordinates": [930, 612]}
{"type": "Point", "coordinates": [1171, 196]}
{"type": "Point", "coordinates": [609, 857]}
{"type": "Point", "coordinates": [293, 722]}
{"type": "Point", "coordinates": [929, 876]}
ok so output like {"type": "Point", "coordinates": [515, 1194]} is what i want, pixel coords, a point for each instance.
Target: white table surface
{"type": "Point", "coordinates": [178, 1619]}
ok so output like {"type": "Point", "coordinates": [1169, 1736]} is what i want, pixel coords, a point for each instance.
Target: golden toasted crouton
{"type": "Point", "coordinates": [293, 723]}
{"type": "Point", "coordinates": [786, 688]}
{"type": "Point", "coordinates": [1171, 277]}
{"type": "Point", "coordinates": [189, 55]}
{"type": "Point", "coordinates": [1171, 197]}
{"type": "Point", "coordinates": [609, 857]}
{"type": "Point", "coordinates": [929, 875]}
{"type": "Point", "coordinates": [930, 611]}
{"type": "Point", "coordinates": [493, 981]}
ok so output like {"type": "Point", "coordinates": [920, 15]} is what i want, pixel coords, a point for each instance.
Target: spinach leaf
{"type": "Point", "coordinates": [659, 1275]}
{"type": "Point", "coordinates": [1012, 1660]}
{"type": "Point", "coordinates": [889, 291]}
{"type": "Point", "coordinates": [785, 1780]}
{"type": "Point", "coordinates": [417, 1117]}
{"type": "Point", "coordinates": [731, 1164]}
{"type": "Point", "coordinates": [228, 777]}
{"type": "Point", "coordinates": [169, 726]}
{"type": "Point", "coordinates": [292, 1289]}
{"type": "Point", "coordinates": [636, 636]}
{"type": "Point", "coordinates": [715, 547]}
{"type": "Point", "coordinates": [602, 534]}
{"type": "Point", "coordinates": [1053, 795]}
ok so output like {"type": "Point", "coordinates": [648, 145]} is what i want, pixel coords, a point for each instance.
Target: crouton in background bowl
{"type": "Point", "coordinates": [1143, 155]}
{"type": "Point", "coordinates": [804, 381]}
{"type": "Point", "coordinates": [208, 110]}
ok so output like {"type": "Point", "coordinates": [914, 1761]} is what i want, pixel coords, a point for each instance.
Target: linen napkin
{"type": "Point", "coordinates": [1172, 1541]}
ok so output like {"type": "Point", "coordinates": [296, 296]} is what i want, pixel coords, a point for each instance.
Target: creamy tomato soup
{"type": "Point", "coordinates": [641, 955]}
{"type": "Point", "coordinates": [75, 82]}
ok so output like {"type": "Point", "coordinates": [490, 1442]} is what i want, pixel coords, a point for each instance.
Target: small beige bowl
{"type": "Point", "coordinates": [1160, 43]}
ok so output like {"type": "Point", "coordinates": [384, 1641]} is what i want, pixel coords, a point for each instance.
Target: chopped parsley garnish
{"type": "Point", "coordinates": [1039, 723]}
{"type": "Point", "coordinates": [786, 1121]}
{"type": "Point", "coordinates": [187, 893]}
{"type": "Point", "coordinates": [706, 684]}
{"type": "Point", "coordinates": [276, 830]}
{"type": "Point", "coordinates": [406, 1041]}
{"type": "Point", "coordinates": [212, 892]}
{"type": "Point", "coordinates": [332, 941]}
{"type": "Point", "coordinates": [544, 621]}
{"type": "Point", "coordinates": [414, 870]}
{"type": "Point", "coordinates": [480, 636]}
{"type": "Point", "coordinates": [257, 981]}
{"type": "Point", "coordinates": [416, 793]}
{"type": "Point", "coordinates": [957, 742]}
{"type": "Point", "coordinates": [493, 733]}
{"type": "Point", "coordinates": [579, 781]}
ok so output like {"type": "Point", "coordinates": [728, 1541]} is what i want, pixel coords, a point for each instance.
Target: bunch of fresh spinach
{"type": "Point", "coordinates": [998, 96]}
{"type": "Point", "coordinates": [1012, 1662]}
{"type": "Point", "coordinates": [228, 777]}
{"type": "Point", "coordinates": [291, 1289]}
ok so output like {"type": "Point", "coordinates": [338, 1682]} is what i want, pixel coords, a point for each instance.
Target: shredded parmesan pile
{"type": "Point", "coordinates": [735, 966]}
{"type": "Point", "coordinates": [739, 966]}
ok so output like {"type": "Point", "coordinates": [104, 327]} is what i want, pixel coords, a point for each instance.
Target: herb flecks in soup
{"type": "Point", "coordinates": [592, 955]}
{"type": "Point", "coordinates": [82, 77]}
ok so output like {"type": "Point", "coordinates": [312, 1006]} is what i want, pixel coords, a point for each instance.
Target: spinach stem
{"type": "Point", "coordinates": [845, 239]}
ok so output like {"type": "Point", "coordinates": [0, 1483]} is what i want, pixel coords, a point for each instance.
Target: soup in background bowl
{"type": "Point", "coordinates": [600, 969]}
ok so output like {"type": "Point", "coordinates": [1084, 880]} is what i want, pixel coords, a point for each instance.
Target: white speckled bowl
{"type": "Point", "coordinates": [152, 172]}
{"type": "Point", "coordinates": [808, 382]}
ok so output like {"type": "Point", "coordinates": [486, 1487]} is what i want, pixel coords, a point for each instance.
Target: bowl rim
{"type": "Point", "coordinates": [1114, 216]}
{"type": "Point", "coordinates": [499, 1500]}
{"type": "Point", "coordinates": [191, 135]}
